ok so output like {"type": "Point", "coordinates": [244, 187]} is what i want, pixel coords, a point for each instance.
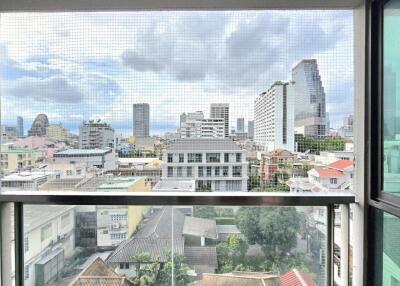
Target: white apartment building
{"type": "Point", "coordinates": [48, 240]}
{"type": "Point", "coordinates": [203, 128]}
{"type": "Point", "coordinates": [96, 135]}
{"type": "Point", "coordinates": [221, 110]}
{"type": "Point", "coordinates": [215, 164]}
{"type": "Point", "coordinates": [274, 118]}
{"type": "Point", "coordinates": [98, 158]}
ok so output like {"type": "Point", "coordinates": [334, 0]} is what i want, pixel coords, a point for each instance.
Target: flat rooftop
{"type": "Point", "coordinates": [119, 182]}
{"type": "Point", "coordinates": [27, 176]}
{"type": "Point", "coordinates": [175, 186]}
{"type": "Point", "coordinates": [203, 144]}
{"type": "Point", "coordinates": [73, 152]}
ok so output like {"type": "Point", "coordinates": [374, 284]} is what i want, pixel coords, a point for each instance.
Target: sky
{"type": "Point", "coordinates": [80, 66]}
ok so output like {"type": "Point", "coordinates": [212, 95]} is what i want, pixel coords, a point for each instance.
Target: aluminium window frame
{"type": "Point", "coordinates": [360, 6]}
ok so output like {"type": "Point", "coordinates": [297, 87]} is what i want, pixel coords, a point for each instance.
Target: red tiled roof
{"type": "Point", "coordinates": [328, 172]}
{"type": "Point", "coordinates": [341, 164]}
{"type": "Point", "coordinates": [296, 278]}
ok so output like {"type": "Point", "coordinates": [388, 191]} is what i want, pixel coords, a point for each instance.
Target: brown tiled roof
{"type": "Point", "coordinates": [98, 273]}
{"type": "Point", "coordinates": [237, 278]}
{"type": "Point", "coordinates": [296, 278]}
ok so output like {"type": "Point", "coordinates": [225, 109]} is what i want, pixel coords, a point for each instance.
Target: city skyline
{"type": "Point", "coordinates": [101, 72]}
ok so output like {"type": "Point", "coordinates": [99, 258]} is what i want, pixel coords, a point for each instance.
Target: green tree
{"type": "Point", "coordinates": [180, 269]}
{"type": "Point", "coordinates": [204, 212]}
{"type": "Point", "coordinates": [274, 228]}
{"type": "Point", "coordinates": [232, 254]}
{"type": "Point", "coordinates": [146, 276]}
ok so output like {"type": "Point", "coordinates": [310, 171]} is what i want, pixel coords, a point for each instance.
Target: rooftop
{"type": "Point", "coordinates": [203, 144]}
{"type": "Point", "coordinates": [72, 152]}
{"type": "Point", "coordinates": [322, 172]}
{"type": "Point", "coordinates": [99, 273]}
{"type": "Point", "coordinates": [238, 278]}
{"type": "Point", "coordinates": [12, 149]}
{"type": "Point", "coordinates": [341, 165]}
{"type": "Point", "coordinates": [175, 186]}
{"type": "Point", "coordinates": [119, 182]}
{"type": "Point", "coordinates": [202, 227]}
{"type": "Point", "coordinates": [296, 278]}
{"type": "Point", "coordinates": [27, 176]}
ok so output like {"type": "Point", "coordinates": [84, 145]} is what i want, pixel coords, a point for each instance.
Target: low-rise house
{"type": "Point", "coordinates": [279, 160]}
{"type": "Point", "coordinates": [13, 158]}
{"type": "Point", "coordinates": [47, 146]}
{"type": "Point", "coordinates": [168, 229]}
{"type": "Point", "coordinates": [295, 277]}
{"type": "Point", "coordinates": [215, 164]}
{"type": "Point", "coordinates": [337, 176]}
{"type": "Point", "coordinates": [48, 242]}
{"type": "Point", "coordinates": [98, 273]}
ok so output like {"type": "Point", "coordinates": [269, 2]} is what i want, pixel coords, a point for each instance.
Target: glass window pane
{"type": "Point", "coordinates": [391, 97]}
{"type": "Point", "coordinates": [387, 252]}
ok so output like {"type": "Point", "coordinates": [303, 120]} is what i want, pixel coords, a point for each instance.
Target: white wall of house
{"type": "Point", "coordinates": [112, 225]}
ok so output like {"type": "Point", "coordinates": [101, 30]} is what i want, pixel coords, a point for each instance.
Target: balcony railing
{"type": "Point", "coordinates": [328, 200]}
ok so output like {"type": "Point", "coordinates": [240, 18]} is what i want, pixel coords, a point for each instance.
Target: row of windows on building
{"type": "Point", "coordinates": [205, 171]}
{"type": "Point", "coordinates": [198, 157]}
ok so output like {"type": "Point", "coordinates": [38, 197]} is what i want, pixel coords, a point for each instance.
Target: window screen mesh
{"type": "Point", "coordinates": [178, 101]}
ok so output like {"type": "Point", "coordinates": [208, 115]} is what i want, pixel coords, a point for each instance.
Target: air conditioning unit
{"type": "Point", "coordinates": [115, 225]}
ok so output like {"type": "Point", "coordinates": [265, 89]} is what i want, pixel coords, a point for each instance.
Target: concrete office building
{"type": "Point", "coordinates": [190, 116]}
{"type": "Point", "coordinates": [39, 125]}
{"type": "Point", "coordinates": [141, 119]}
{"type": "Point", "coordinates": [203, 128]}
{"type": "Point", "coordinates": [215, 164]}
{"type": "Point", "coordinates": [250, 129]}
{"type": "Point", "coordinates": [309, 96]}
{"type": "Point", "coordinates": [57, 132]}
{"type": "Point", "coordinates": [96, 135]}
{"type": "Point", "coordinates": [274, 118]}
{"type": "Point", "coordinates": [20, 126]}
{"type": "Point", "coordinates": [240, 125]}
{"type": "Point", "coordinates": [221, 110]}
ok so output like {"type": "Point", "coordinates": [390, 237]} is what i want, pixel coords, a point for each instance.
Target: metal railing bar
{"type": "Point", "coordinates": [177, 198]}
{"type": "Point", "coordinates": [330, 225]}
{"type": "Point", "coordinates": [19, 243]}
{"type": "Point", "coordinates": [344, 244]}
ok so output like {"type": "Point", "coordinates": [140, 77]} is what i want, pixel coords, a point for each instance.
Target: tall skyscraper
{"type": "Point", "coordinates": [141, 120]}
{"type": "Point", "coordinates": [240, 125]}
{"type": "Point", "coordinates": [39, 125]}
{"type": "Point", "coordinates": [20, 126]}
{"type": "Point", "coordinates": [221, 110]}
{"type": "Point", "coordinates": [274, 118]}
{"type": "Point", "coordinates": [309, 96]}
{"type": "Point", "coordinates": [96, 135]}
{"type": "Point", "coordinates": [327, 123]}
{"type": "Point", "coordinates": [250, 129]}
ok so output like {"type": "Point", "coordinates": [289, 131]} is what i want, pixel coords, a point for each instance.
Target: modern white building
{"type": "Point", "coordinates": [215, 164]}
{"type": "Point", "coordinates": [48, 241]}
{"type": "Point", "coordinates": [203, 128]}
{"type": "Point", "coordinates": [98, 158]}
{"type": "Point", "coordinates": [309, 98]}
{"type": "Point", "coordinates": [96, 135]}
{"type": "Point", "coordinates": [221, 110]}
{"type": "Point", "coordinates": [274, 118]}
{"type": "Point", "coordinates": [190, 116]}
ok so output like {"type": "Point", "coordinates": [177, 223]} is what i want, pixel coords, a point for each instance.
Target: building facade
{"type": "Point", "coordinates": [221, 110]}
{"type": "Point", "coordinates": [18, 158]}
{"type": "Point", "coordinates": [274, 162]}
{"type": "Point", "coordinates": [141, 119]}
{"type": "Point", "coordinates": [274, 118]}
{"type": "Point", "coordinates": [20, 126]}
{"type": "Point", "coordinates": [250, 129]}
{"type": "Point", "coordinates": [309, 98]}
{"type": "Point", "coordinates": [98, 158]}
{"type": "Point", "coordinates": [57, 132]}
{"type": "Point", "coordinates": [240, 125]}
{"type": "Point", "coordinates": [203, 128]}
{"type": "Point", "coordinates": [215, 164]}
{"type": "Point", "coordinates": [39, 125]}
{"type": "Point", "coordinates": [96, 135]}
